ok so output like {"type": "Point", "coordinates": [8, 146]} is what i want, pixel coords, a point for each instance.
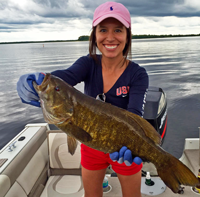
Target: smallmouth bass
{"type": "Point", "coordinates": [107, 128]}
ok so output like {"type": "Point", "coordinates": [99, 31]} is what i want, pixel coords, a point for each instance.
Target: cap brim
{"type": "Point", "coordinates": [119, 18]}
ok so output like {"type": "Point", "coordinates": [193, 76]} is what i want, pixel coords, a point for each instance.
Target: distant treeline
{"type": "Point", "coordinates": [161, 36]}
{"type": "Point", "coordinates": [83, 38]}
{"type": "Point", "coordinates": [86, 38]}
{"type": "Point", "coordinates": [46, 41]}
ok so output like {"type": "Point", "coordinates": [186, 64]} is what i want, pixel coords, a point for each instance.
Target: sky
{"type": "Point", "coordinates": [42, 20]}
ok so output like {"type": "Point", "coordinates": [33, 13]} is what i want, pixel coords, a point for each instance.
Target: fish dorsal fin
{"type": "Point", "coordinates": [148, 129]}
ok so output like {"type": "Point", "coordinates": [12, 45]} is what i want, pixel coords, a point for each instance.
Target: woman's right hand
{"type": "Point", "coordinates": [125, 155]}
{"type": "Point", "coordinates": [26, 90]}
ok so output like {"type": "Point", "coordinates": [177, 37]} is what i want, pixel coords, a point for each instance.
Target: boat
{"type": "Point", "coordinates": [36, 162]}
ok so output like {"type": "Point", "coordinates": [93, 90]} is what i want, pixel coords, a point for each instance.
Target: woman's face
{"type": "Point", "coordinates": [111, 38]}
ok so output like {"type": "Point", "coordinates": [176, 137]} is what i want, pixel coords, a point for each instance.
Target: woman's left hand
{"type": "Point", "coordinates": [125, 155]}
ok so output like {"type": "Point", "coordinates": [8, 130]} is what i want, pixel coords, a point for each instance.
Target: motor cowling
{"type": "Point", "coordinates": [155, 111]}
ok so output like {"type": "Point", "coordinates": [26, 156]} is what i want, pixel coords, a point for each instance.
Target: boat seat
{"type": "Point", "coordinates": [25, 176]}
{"type": "Point", "coordinates": [64, 169]}
{"type": "Point", "coordinates": [193, 159]}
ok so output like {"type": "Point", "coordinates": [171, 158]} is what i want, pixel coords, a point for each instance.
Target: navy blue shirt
{"type": "Point", "coordinates": [129, 91]}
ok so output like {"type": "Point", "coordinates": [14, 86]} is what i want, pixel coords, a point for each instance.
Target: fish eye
{"type": "Point", "coordinates": [57, 88]}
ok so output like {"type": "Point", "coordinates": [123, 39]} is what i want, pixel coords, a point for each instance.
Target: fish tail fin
{"type": "Point", "coordinates": [176, 173]}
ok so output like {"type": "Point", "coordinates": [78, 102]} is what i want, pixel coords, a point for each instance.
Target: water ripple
{"type": "Point", "coordinates": [172, 64]}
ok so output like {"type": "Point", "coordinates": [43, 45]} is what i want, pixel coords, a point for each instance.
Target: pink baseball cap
{"type": "Point", "coordinates": [114, 10]}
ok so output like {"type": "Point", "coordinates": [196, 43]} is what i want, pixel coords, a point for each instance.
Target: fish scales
{"type": "Point", "coordinates": [97, 124]}
{"type": "Point", "coordinates": [107, 128]}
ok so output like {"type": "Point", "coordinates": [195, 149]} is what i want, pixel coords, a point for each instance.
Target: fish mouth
{"type": "Point", "coordinates": [48, 110]}
{"type": "Point", "coordinates": [45, 83]}
{"type": "Point", "coordinates": [43, 86]}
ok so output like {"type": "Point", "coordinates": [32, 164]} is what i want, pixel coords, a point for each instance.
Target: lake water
{"type": "Point", "coordinates": [172, 64]}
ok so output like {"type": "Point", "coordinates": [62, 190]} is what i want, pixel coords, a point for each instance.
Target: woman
{"type": "Point", "coordinates": [112, 78]}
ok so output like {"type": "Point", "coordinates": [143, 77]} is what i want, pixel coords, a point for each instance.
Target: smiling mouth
{"type": "Point", "coordinates": [111, 46]}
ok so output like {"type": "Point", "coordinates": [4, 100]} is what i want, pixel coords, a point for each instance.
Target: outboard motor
{"type": "Point", "coordinates": [155, 111]}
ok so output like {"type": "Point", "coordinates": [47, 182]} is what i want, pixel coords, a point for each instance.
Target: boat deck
{"type": "Point", "coordinates": [38, 143]}
{"type": "Point", "coordinates": [116, 191]}
{"type": "Point", "coordinates": [193, 158]}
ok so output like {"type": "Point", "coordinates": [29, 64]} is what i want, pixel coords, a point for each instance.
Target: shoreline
{"type": "Point", "coordinates": [86, 38]}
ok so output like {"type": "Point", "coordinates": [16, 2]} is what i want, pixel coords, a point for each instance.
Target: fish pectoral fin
{"type": "Point", "coordinates": [72, 144]}
{"type": "Point", "coordinates": [77, 132]}
{"type": "Point", "coordinates": [81, 134]}
{"type": "Point", "coordinates": [74, 133]}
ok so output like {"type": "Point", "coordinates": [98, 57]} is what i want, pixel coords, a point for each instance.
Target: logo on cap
{"type": "Point", "coordinates": [111, 9]}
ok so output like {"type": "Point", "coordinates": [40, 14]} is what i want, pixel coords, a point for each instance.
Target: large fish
{"type": "Point", "coordinates": [107, 128]}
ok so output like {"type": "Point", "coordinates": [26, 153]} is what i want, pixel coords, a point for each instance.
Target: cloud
{"type": "Point", "coordinates": [165, 25]}
{"type": "Point", "coordinates": [178, 8]}
{"type": "Point", "coordinates": [40, 11]}
{"type": "Point", "coordinates": [73, 18]}
{"type": "Point", "coordinates": [59, 30]}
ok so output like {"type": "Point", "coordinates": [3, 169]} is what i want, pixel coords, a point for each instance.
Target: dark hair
{"type": "Point", "coordinates": [93, 45]}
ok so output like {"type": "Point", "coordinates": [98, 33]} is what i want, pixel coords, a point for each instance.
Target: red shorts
{"type": "Point", "coordinates": [92, 159]}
